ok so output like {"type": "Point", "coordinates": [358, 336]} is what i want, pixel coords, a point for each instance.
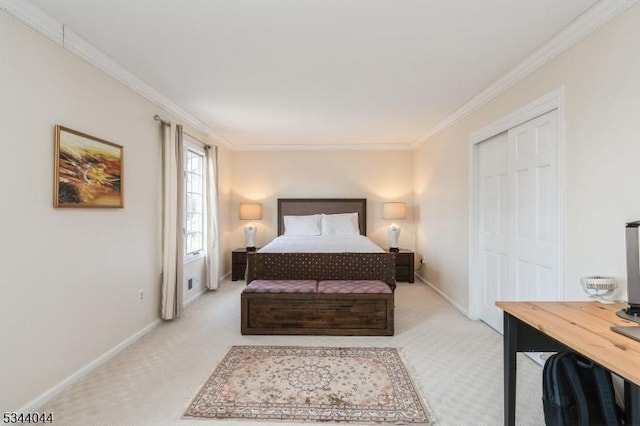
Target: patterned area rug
{"type": "Point", "coordinates": [292, 383]}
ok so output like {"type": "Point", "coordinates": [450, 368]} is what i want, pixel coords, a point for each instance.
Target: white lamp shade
{"type": "Point", "coordinates": [394, 210]}
{"type": "Point", "coordinates": [250, 211]}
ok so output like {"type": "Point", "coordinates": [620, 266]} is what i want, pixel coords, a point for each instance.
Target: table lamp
{"type": "Point", "coordinates": [250, 211]}
{"type": "Point", "coordinates": [394, 211]}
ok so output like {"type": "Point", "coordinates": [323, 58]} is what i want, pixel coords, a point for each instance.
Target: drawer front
{"type": "Point", "coordinates": [402, 273]}
{"type": "Point", "coordinates": [403, 259]}
{"type": "Point", "coordinates": [237, 274]}
{"type": "Point", "coordinates": [240, 258]}
{"type": "Point", "coordinates": [336, 314]}
{"type": "Point", "coordinates": [238, 266]}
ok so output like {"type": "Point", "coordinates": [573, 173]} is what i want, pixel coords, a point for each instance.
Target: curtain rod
{"type": "Point", "coordinates": [204, 144]}
{"type": "Point", "coordinates": [168, 123]}
{"type": "Point", "coordinates": [164, 122]}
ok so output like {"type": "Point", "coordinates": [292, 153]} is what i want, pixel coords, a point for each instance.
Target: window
{"type": "Point", "coordinates": [194, 201]}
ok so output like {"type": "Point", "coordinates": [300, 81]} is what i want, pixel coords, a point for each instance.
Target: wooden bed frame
{"type": "Point", "coordinates": [325, 314]}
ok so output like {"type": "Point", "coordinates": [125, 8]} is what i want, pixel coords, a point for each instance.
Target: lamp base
{"type": "Point", "coordinates": [250, 249]}
{"type": "Point", "coordinates": [394, 249]}
{"type": "Point", "coordinates": [250, 234]}
{"type": "Point", "coordinates": [394, 233]}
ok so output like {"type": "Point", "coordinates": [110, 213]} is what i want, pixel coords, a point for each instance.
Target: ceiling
{"type": "Point", "coordinates": [318, 72]}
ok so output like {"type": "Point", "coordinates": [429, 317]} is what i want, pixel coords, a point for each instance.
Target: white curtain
{"type": "Point", "coordinates": [172, 222]}
{"type": "Point", "coordinates": [213, 251]}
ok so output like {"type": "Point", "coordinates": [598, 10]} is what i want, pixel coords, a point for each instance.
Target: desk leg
{"type": "Point", "coordinates": [510, 350]}
{"type": "Point", "coordinates": [631, 404]}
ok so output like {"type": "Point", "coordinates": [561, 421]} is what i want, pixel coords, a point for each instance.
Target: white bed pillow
{"type": "Point", "coordinates": [302, 225]}
{"type": "Point", "coordinates": [340, 224]}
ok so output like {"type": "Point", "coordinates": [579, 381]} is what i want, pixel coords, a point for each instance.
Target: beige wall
{"type": "Point", "coordinates": [376, 175]}
{"type": "Point", "coordinates": [69, 278]}
{"type": "Point", "coordinates": [602, 90]}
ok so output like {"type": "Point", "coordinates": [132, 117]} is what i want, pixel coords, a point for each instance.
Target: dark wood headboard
{"type": "Point", "coordinates": [305, 206]}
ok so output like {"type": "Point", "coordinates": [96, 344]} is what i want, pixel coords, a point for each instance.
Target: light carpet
{"type": "Point", "coordinates": [296, 383]}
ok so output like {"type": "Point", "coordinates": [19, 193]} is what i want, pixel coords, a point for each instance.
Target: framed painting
{"type": "Point", "coordinates": [88, 171]}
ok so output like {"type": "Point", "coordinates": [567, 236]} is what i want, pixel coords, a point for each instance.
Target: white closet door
{"type": "Point", "coordinates": [534, 240]}
{"type": "Point", "coordinates": [494, 233]}
{"type": "Point", "coordinates": [518, 216]}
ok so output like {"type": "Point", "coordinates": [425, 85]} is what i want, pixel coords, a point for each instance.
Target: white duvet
{"type": "Point", "coordinates": [322, 244]}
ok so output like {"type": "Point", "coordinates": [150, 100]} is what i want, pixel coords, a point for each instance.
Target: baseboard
{"type": "Point", "coordinates": [444, 296]}
{"type": "Point", "coordinates": [39, 401]}
{"type": "Point", "coordinates": [194, 297]}
{"type": "Point", "coordinates": [203, 291]}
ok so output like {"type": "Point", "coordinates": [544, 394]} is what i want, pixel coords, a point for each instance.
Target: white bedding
{"type": "Point", "coordinates": [322, 244]}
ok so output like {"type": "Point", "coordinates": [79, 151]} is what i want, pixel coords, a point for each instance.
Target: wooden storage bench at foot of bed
{"type": "Point", "coordinates": [332, 311]}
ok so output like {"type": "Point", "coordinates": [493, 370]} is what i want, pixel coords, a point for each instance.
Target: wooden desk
{"type": "Point", "coordinates": [583, 327]}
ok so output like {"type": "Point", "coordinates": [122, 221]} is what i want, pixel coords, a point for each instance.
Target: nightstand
{"type": "Point", "coordinates": [404, 265]}
{"type": "Point", "coordinates": [238, 263]}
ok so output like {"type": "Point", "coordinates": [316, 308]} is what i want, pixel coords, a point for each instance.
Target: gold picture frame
{"type": "Point", "coordinates": [88, 171]}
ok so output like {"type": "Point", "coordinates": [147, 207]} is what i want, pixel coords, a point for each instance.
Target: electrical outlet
{"type": "Point", "coordinates": [141, 295]}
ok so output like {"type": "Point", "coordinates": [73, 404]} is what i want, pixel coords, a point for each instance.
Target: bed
{"type": "Point", "coordinates": [339, 284]}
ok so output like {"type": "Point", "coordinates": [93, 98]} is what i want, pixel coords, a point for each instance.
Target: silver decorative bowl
{"type": "Point", "coordinates": [599, 287]}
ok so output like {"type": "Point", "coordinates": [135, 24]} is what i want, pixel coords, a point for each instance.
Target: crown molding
{"type": "Point", "coordinates": [34, 17]}
{"type": "Point", "coordinates": [217, 139]}
{"type": "Point", "coordinates": [325, 147]}
{"type": "Point", "coordinates": [585, 24]}
{"type": "Point", "coordinates": [592, 19]}
{"type": "Point", "coordinates": [71, 41]}
{"type": "Point", "coordinates": [79, 46]}
{"type": "Point", "coordinates": [542, 105]}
